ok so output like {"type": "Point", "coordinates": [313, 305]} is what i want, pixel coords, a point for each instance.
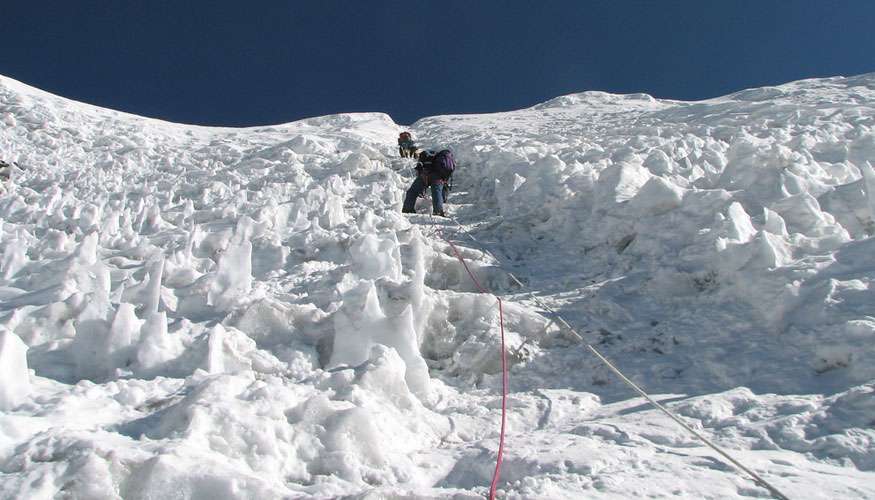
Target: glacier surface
{"type": "Point", "coordinates": [202, 312]}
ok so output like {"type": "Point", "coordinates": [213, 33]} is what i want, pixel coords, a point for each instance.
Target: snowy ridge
{"type": "Point", "coordinates": [243, 313]}
{"type": "Point", "coordinates": [697, 209]}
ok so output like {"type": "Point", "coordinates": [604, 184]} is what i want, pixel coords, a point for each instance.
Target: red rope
{"type": "Point", "coordinates": [480, 287]}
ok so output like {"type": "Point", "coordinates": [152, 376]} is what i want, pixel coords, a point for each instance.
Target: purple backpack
{"type": "Point", "coordinates": [443, 164]}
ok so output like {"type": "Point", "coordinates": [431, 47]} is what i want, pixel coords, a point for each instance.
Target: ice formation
{"type": "Point", "coordinates": [197, 312]}
{"type": "Point", "coordinates": [15, 385]}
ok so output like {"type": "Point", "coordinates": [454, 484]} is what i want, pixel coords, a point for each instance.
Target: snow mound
{"type": "Point", "coordinates": [244, 313]}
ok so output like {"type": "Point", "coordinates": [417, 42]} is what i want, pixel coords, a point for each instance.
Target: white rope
{"type": "Point", "coordinates": [756, 477]}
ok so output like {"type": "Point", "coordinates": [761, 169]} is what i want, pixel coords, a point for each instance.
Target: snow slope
{"type": "Point", "coordinates": [194, 312]}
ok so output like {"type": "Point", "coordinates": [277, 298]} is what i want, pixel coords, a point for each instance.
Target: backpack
{"type": "Point", "coordinates": [443, 164]}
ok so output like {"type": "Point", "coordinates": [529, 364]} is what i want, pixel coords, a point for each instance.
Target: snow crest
{"type": "Point", "coordinates": [244, 313]}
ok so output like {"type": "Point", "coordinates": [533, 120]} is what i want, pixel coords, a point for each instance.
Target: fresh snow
{"type": "Point", "coordinates": [195, 312]}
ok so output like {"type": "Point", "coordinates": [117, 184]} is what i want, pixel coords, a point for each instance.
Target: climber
{"type": "Point", "coordinates": [406, 146]}
{"type": "Point", "coordinates": [433, 170]}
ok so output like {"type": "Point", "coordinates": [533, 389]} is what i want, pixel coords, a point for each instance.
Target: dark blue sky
{"type": "Point", "coordinates": [256, 63]}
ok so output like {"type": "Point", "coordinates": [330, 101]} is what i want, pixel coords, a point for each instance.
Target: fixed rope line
{"type": "Point", "coordinates": [756, 477]}
{"type": "Point", "coordinates": [504, 379]}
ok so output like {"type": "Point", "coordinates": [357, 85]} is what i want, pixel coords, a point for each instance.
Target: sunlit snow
{"type": "Point", "coordinates": [205, 313]}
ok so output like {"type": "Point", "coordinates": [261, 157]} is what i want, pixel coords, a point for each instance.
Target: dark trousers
{"type": "Point", "coordinates": [417, 188]}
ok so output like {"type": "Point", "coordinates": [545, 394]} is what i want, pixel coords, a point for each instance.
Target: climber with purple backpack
{"type": "Point", "coordinates": [434, 170]}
